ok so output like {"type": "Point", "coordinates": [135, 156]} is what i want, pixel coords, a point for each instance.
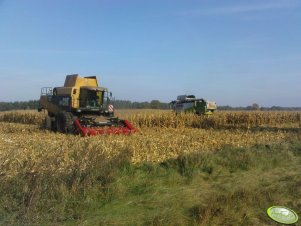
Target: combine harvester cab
{"type": "Point", "coordinates": [81, 106]}
{"type": "Point", "coordinates": [189, 103]}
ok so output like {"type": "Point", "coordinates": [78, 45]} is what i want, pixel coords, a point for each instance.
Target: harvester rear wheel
{"type": "Point", "coordinates": [48, 123]}
{"type": "Point", "coordinates": [65, 122]}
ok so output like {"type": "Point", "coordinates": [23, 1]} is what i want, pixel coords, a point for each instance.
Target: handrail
{"type": "Point", "coordinates": [46, 91]}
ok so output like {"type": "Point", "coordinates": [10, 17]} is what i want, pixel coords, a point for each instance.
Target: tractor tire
{"type": "Point", "coordinates": [48, 123]}
{"type": "Point", "coordinates": [65, 122]}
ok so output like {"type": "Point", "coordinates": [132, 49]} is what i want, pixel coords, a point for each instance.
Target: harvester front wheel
{"type": "Point", "coordinates": [65, 122]}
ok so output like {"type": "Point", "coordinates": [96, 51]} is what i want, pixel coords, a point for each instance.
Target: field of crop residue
{"type": "Point", "coordinates": [223, 169]}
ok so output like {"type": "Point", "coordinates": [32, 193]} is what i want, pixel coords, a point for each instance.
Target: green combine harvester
{"type": "Point", "coordinates": [189, 103]}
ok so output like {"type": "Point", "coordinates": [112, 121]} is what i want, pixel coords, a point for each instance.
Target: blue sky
{"type": "Point", "coordinates": [233, 52]}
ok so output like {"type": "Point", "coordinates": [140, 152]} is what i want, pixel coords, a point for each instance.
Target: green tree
{"type": "Point", "coordinates": [255, 107]}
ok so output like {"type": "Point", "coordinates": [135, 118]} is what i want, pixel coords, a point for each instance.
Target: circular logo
{"type": "Point", "coordinates": [282, 215]}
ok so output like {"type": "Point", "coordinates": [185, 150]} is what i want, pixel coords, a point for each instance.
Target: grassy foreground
{"type": "Point", "coordinates": [233, 186]}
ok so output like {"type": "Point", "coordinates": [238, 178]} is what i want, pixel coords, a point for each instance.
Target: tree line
{"type": "Point", "coordinates": [256, 107]}
{"type": "Point", "coordinates": [154, 104]}
{"type": "Point", "coordinates": [19, 105]}
{"type": "Point", "coordinates": [119, 104]}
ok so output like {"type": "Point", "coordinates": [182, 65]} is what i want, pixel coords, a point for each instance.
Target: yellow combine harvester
{"type": "Point", "coordinates": [81, 106]}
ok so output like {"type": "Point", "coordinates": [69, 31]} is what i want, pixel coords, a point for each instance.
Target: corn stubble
{"type": "Point", "coordinates": [163, 135]}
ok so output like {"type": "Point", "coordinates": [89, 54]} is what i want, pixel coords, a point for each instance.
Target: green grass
{"type": "Point", "coordinates": [229, 187]}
